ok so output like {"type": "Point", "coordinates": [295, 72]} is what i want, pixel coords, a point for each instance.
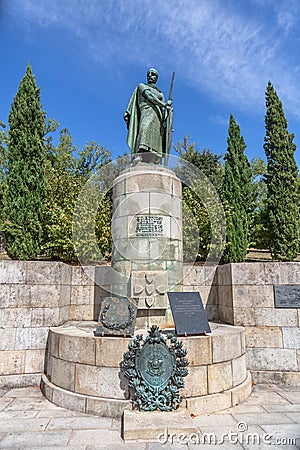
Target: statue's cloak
{"type": "Point", "coordinates": [163, 125]}
{"type": "Point", "coordinates": [133, 112]}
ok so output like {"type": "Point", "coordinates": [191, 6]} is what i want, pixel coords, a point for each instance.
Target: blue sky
{"type": "Point", "coordinates": [88, 56]}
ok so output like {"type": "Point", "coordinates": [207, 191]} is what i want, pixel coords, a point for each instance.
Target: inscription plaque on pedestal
{"type": "Point", "coordinates": [117, 316]}
{"type": "Point", "coordinates": [287, 296]}
{"type": "Point", "coordinates": [149, 226]}
{"type": "Point", "coordinates": [188, 313]}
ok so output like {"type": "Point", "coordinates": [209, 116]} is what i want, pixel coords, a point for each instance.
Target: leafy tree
{"type": "Point", "coordinates": [258, 231]}
{"type": "Point", "coordinates": [196, 222]}
{"type": "Point", "coordinates": [68, 168]}
{"type": "Point", "coordinates": [236, 195]}
{"type": "Point", "coordinates": [3, 166]}
{"type": "Point", "coordinates": [208, 162]}
{"type": "Point", "coordinates": [23, 210]}
{"type": "Point", "coordinates": [281, 178]}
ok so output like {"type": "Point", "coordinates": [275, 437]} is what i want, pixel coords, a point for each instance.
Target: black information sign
{"type": "Point", "coordinates": [188, 313]}
{"type": "Point", "coordinates": [287, 296]}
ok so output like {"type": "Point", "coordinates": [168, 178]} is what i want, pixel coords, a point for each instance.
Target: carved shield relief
{"type": "Point", "coordinates": [155, 364]}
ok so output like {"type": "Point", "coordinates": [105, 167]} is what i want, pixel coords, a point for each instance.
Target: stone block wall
{"type": "Point", "coordinates": [203, 279]}
{"type": "Point", "coordinates": [36, 295]}
{"type": "Point", "coordinates": [246, 297]}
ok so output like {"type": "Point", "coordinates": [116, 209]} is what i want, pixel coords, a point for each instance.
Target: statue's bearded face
{"type": "Point", "coordinates": [152, 77]}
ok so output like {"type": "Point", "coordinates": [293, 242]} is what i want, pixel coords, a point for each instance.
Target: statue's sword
{"type": "Point", "coordinates": [169, 120]}
{"type": "Point", "coordinates": [171, 88]}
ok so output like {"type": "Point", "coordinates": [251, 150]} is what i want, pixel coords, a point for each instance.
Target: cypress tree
{"type": "Point", "coordinates": [23, 208]}
{"type": "Point", "coordinates": [282, 196]}
{"type": "Point", "coordinates": [236, 195]}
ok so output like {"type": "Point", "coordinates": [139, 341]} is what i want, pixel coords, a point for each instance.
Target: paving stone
{"type": "Point", "coordinates": [215, 420]}
{"type": "Point", "coordinates": [243, 409]}
{"type": "Point", "coordinates": [18, 414]}
{"type": "Point", "coordinates": [174, 446]}
{"type": "Point", "coordinates": [285, 408]}
{"type": "Point", "coordinates": [4, 402]}
{"type": "Point", "coordinates": [24, 392]}
{"type": "Point", "coordinates": [38, 439]}
{"type": "Point", "coordinates": [131, 446]}
{"type": "Point", "coordinates": [140, 425]}
{"type": "Point", "coordinates": [67, 447]}
{"type": "Point", "coordinates": [268, 405]}
{"type": "Point", "coordinates": [294, 416]}
{"type": "Point", "coordinates": [291, 396]}
{"type": "Point", "coordinates": [262, 446]}
{"type": "Point", "coordinates": [262, 418]}
{"type": "Point", "coordinates": [59, 412]}
{"type": "Point", "coordinates": [290, 388]}
{"type": "Point", "coordinates": [13, 425]}
{"type": "Point", "coordinates": [262, 398]}
{"type": "Point", "coordinates": [29, 404]}
{"type": "Point", "coordinates": [282, 430]}
{"type": "Point", "coordinates": [89, 437]}
{"type": "Point", "coordinates": [75, 423]}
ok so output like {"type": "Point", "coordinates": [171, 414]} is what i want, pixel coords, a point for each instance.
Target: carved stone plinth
{"type": "Point", "coordinates": [147, 249]}
{"type": "Point", "coordinates": [83, 371]}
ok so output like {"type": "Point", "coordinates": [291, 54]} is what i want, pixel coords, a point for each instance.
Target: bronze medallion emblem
{"type": "Point", "coordinates": [155, 371]}
{"type": "Point", "coordinates": [155, 364]}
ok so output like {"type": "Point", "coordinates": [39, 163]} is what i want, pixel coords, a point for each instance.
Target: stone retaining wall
{"type": "Point", "coordinates": [35, 296]}
{"type": "Point", "coordinates": [246, 297]}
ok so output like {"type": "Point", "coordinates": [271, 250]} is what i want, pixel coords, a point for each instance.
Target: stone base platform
{"type": "Point", "coordinates": [137, 425]}
{"type": "Point", "coordinates": [83, 372]}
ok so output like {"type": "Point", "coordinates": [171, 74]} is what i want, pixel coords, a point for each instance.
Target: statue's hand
{"type": "Point", "coordinates": [168, 105]}
{"type": "Point", "coordinates": [126, 118]}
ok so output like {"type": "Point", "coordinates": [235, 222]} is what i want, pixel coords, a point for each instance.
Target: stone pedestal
{"type": "Point", "coordinates": [83, 372]}
{"type": "Point", "coordinates": [147, 249]}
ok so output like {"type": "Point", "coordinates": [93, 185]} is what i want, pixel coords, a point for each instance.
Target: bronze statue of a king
{"type": "Point", "coordinates": [149, 121]}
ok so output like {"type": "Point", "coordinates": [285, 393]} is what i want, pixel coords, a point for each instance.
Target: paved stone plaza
{"type": "Point", "coordinates": [270, 415]}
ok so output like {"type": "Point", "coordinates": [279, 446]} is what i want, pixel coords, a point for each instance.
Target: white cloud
{"type": "Point", "coordinates": [226, 52]}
